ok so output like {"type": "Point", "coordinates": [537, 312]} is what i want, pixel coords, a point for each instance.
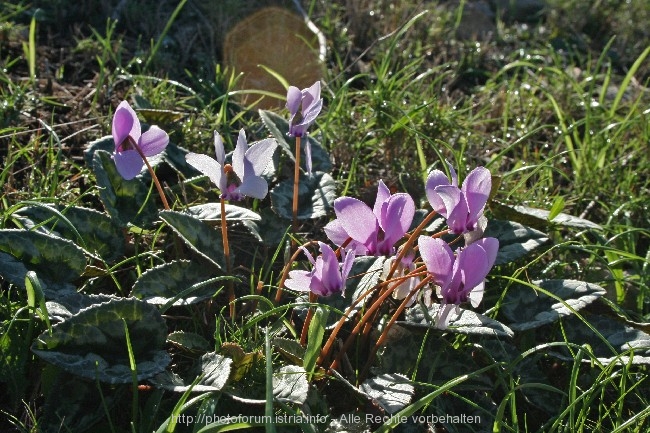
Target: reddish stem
{"type": "Point", "coordinates": [296, 187]}
{"type": "Point", "coordinates": [391, 322]}
{"type": "Point", "coordinates": [226, 253]}
{"type": "Point", "coordinates": [161, 193]}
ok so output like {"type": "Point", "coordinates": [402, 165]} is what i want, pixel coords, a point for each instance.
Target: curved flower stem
{"type": "Point", "coordinates": [161, 193]}
{"type": "Point", "coordinates": [313, 297]}
{"type": "Point", "coordinates": [391, 322]}
{"type": "Point", "coordinates": [226, 253]}
{"type": "Point", "coordinates": [369, 313]}
{"type": "Point", "coordinates": [296, 187]}
{"type": "Point", "coordinates": [409, 243]}
{"type": "Point", "coordinates": [324, 353]}
{"type": "Point", "coordinates": [287, 268]}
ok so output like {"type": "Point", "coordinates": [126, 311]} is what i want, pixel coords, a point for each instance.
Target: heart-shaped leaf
{"type": "Point", "coordinates": [214, 369]}
{"type": "Point", "coordinates": [467, 322]}
{"type": "Point", "coordinates": [539, 218]}
{"type": "Point", "coordinates": [188, 341]}
{"type": "Point", "coordinates": [515, 240]}
{"type": "Point", "coordinates": [173, 281]}
{"type": "Point", "coordinates": [620, 337]}
{"type": "Point", "coordinates": [202, 238]}
{"type": "Point", "coordinates": [65, 304]}
{"type": "Point", "coordinates": [529, 308]}
{"type": "Point", "coordinates": [290, 349]}
{"type": "Point", "coordinates": [92, 344]}
{"type": "Point", "coordinates": [393, 391]}
{"type": "Point", "coordinates": [104, 143]}
{"type": "Point", "coordinates": [290, 384]}
{"type": "Point", "coordinates": [55, 260]}
{"type": "Point", "coordinates": [96, 232]}
{"type": "Point", "coordinates": [127, 201]}
{"type": "Point", "coordinates": [316, 195]}
{"type": "Point", "coordinates": [212, 212]}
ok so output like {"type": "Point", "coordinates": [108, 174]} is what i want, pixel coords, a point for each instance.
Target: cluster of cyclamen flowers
{"type": "Point", "coordinates": [357, 230]}
{"type": "Point", "coordinates": [360, 230]}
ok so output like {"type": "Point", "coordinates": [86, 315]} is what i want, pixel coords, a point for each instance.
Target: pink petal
{"type": "Point", "coordinates": [299, 281]}
{"type": "Point", "coordinates": [476, 188]}
{"type": "Point", "coordinates": [474, 266]}
{"type": "Point", "coordinates": [239, 154]}
{"type": "Point", "coordinates": [491, 247]}
{"type": "Point", "coordinates": [260, 155]}
{"type": "Point", "coordinates": [206, 165]}
{"type": "Point", "coordinates": [252, 186]}
{"type": "Point", "coordinates": [396, 217]}
{"type": "Point", "coordinates": [294, 97]}
{"type": "Point", "coordinates": [125, 124]}
{"type": "Point", "coordinates": [337, 234]}
{"type": "Point", "coordinates": [450, 197]}
{"type": "Point", "coordinates": [219, 151]}
{"type": "Point", "coordinates": [311, 96]}
{"type": "Point", "coordinates": [128, 163]}
{"type": "Point", "coordinates": [436, 179]}
{"type": "Point", "coordinates": [357, 220]}
{"type": "Point", "coordinates": [476, 295]}
{"type": "Point", "coordinates": [153, 141]}
{"type": "Point", "coordinates": [438, 258]}
{"type": "Point", "coordinates": [331, 275]}
{"type": "Point", "coordinates": [383, 194]}
{"type": "Point", "coordinates": [348, 261]}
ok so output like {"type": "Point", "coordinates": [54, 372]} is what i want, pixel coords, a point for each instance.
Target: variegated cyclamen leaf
{"type": "Point", "coordinates": [467, 322]}
{"type": "Point", "coordinates": [214, 368]}
{"type": "Point", "coordinates": [104, 143]}
{"type": "Point", "coordinates": [515, 240]}
{"type": "Point", "coordinates": [100, 235]}
{"type": "Point", "coordinates": [188, 341]}
{"type": "Point", "coordinates": [290, 384]}
{"type": "Point", "coordinates": [203, 239]}
{"type": "Point", "coordinates": [529, 308]}
{"type": "Point", "coordinates": [64, 304]}
{"type": "Point", "coordinates": [212, 212]}
{"type": "Point", "coordinates": [316, 195]}
{"type": "Point", "coordinates": [290, 349]}
{"type": "Point", "coordinates": [161, 284]}
{"type": "Point", "coordinates": [127, 201]}
{"type": "Point", "coordinates": [393, 391]}
{"type": "Point", "coordinates": [540, 218]}
{"type": "Point", "coordinates": [92, 344]}
{"type": "Point", "coordinates": [54, 259]}
{"type": "Point", "coordinates": [623, 339]}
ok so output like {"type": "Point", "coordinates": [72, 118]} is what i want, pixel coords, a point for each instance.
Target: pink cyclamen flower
{"type": "Point", "coordinates": [128, 138]}
{"type": "Point", "coordinates": [327, 277]}
{"type": "Point", "coordinates": [462, 207]}
{"type": "Point", "coordinates": [373, 231]}
{"type": "Point", "coordinates": [461, 278]}
{"type": "Point", "coordinates": [304, 106]}
{"type": "Point", "coordinates": [242, 177]}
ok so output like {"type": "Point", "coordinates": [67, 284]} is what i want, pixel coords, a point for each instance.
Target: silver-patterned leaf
{"type": "Point", "coordinates": [467, 322]}
{"type": "Point", "coordinates": [92, 344]}
{"type": "Point", "coordinates": [528, 308]}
